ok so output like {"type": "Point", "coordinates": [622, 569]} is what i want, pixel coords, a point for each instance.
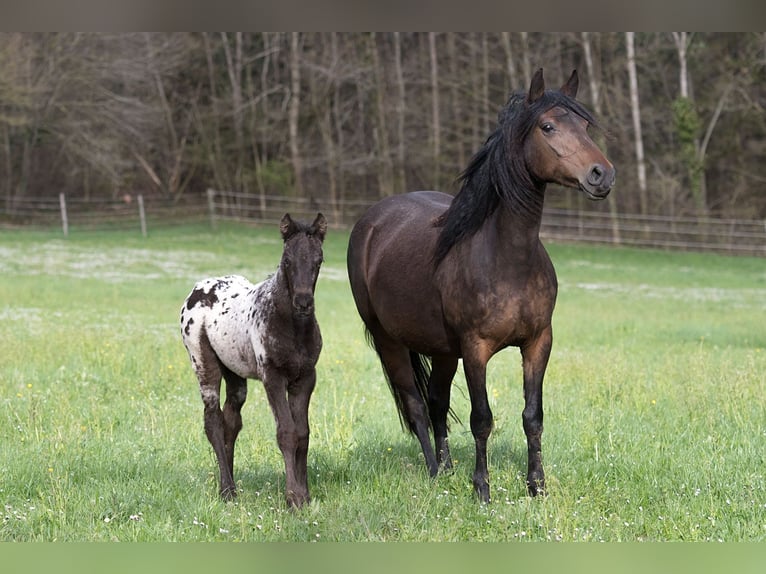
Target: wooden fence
{"type": "Point", "coordinates": [746, 237]}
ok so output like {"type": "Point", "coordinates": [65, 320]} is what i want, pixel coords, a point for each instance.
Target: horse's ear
{"type": "Point", "coordinates": [536, 87]}
{"type": "Point", "coordinates": [570, 88]}
{"type": "Point", "coordinates": [286, 226]}
{"type": "Point", "coordinates": [319, 227]}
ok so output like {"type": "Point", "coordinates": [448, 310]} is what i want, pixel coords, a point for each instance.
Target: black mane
{"type": "Point", "coordinates": [498, 173]}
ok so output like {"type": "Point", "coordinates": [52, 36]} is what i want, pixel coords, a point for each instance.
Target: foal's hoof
{"type": "Point", "coordinates": [536, 487]}
{"type": "Point", "coordinates": [295, 501]}
{"type": "Point", "coordinates": [229, 494]}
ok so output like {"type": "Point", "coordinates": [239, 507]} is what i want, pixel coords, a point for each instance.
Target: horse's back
{"type": "Point", "coordinates": [391, 268]}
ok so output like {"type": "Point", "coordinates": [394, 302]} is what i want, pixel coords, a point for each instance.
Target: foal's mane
{"type": "Point", "coordinates": [497, 173]}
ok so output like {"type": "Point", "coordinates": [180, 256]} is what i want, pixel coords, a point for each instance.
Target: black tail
{"type": "Point", "coordinates": [421, 369]}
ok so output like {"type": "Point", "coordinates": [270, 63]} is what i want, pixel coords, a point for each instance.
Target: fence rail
{"type": "Point", "coordinates": [746, 237]}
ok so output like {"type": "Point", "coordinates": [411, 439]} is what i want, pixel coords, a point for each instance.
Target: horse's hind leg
{"type": "Point", "coordinates": [398, 367]}
{"type": "Point", "coordinates": [236, 394]}
{"type": "Point", "coordinates": [439, 387]}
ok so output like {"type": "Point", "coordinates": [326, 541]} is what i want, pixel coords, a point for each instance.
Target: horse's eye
{"type": "Point", "coordinates": [547, 127]}
{"type": "Point", "coordinates": [287, 263]}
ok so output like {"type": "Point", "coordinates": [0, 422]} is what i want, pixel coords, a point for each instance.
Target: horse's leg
{"type": "Point", "coordinates": [395, 358]}
{"type": "Point", "coordinates": [236, 394]}
{"type": "Point", "coordinates": [299, 395]}
{"type": "Point", "coordinates": [275, 385]}
{"type": "Point", "coordinates": [439, 387]}
{"type": "Point", "coordinates": [534, 360]}
{"type": "Point", "coordinates": [475, 366]}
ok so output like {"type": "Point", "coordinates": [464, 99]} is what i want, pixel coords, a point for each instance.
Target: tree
{"type": "Point", "coordinates": [636, 114]}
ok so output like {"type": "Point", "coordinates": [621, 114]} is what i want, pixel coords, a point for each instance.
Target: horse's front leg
{"type": "Point", "coordinates": [299, 396]}
{"type": "Point", "coordinates": [535, 359]}
{"type": "Point", "coordinates": [475, 366]}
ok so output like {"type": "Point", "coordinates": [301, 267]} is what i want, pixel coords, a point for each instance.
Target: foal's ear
{"type": "Point", "coordinates": [287, 226]}
{"type": "Point", "coordinates": [570, 88]}
{"type": "Point", "coordinates": [536, 87]}
{"type": "Point", "coordinates": [319, 227]}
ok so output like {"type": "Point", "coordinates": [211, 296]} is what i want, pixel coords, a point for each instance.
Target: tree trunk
{"type": "Point", "coordinates": [295, 103]}
{"type": "Point", "coordinates": [455, 103]}
{"type": "Point", "coordinates": [694, 158]}
{"type": "Point", "coordinates": [636, 113]}
{"type": "Point", "coordinates": [436, 122]}
{"type": "Point", "coordinates": [595, 94]}
{"type": "Point", "coordinates": [385, 167]}
{"type": "Point", "coordinates": [513, 77]}
{"type": "Point", "coordinates": [401, 184]}
{"type": "Point", "coordinates": [234, 70]}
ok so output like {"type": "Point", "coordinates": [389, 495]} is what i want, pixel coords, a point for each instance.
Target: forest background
{"type": "Point", "coordinates": [335, 117]}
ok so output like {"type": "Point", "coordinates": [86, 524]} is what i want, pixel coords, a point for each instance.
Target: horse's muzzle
{"type": "Point", "coordinates": [599, 181]}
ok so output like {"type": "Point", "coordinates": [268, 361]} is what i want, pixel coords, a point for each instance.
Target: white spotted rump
{"type": "Point", "coordinates": [230, 313]}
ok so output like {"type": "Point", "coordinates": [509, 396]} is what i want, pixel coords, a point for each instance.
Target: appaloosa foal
{"type": "Point", "coordinates": [236, 330]}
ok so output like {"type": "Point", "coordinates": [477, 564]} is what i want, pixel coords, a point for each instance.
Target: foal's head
{"type": "Point", "coordinates": [301, 259]}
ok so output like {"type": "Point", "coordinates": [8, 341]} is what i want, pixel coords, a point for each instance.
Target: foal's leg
{"type": "Point", "coordinates": [209, 375]}
{"type": "Point", "coordinates": [439, 387]}
{"type": "Point", "coordinates": [475, 366]}
{"type": "Point", "coordinates": [534, 360]}
{"type": "Point", "coordinates": [298, 396]}
{"type": "Point", "coordinates": [236, 394]}
{"type": "Point", "coordinates": [287, 436]}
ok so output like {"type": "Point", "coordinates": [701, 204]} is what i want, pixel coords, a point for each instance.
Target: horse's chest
{"type": "Point", "coordinates": [510, 312]}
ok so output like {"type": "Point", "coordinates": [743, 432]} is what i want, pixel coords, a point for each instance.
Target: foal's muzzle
{"type": "Point", "coordinates": [303, 304]}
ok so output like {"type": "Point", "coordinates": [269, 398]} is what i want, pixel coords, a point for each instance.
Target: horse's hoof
{"type": "Point", "coordinates": [482, 491]}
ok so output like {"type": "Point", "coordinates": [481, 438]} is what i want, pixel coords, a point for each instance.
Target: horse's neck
{"type": "Point", "coordinates": [516, 232]}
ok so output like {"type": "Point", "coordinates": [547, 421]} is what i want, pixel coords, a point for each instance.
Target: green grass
{"type": "Point", "coordinates": [655, 418]}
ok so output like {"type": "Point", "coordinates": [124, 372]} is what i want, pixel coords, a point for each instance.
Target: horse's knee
{"type": "Point", "coordinates": [532, 422]}
{"type": "Point", "coordinates": [287, 439]}
{"type": "Point", "coordinates": [481, 425]}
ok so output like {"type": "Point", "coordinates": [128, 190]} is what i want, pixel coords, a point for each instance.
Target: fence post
{"type": "Point", "coordinates": [64, 219]}
{"type": "Point", "coordinates": [142, 214]}
{"type": "Point", "coordinates": [211, 208]}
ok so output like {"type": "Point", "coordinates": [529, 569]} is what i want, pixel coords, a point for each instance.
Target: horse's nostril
{"type": "Point", "coordinates": [596, 174]}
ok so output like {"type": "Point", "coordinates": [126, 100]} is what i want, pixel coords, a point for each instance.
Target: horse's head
{"type": "Point", "coordinates": [301, 259]}
{"type": "Point", "coordinates": [558, 148]}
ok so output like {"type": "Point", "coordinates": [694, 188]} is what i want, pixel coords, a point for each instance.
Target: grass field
{"type": "Point", "coordinates": [654, 397]}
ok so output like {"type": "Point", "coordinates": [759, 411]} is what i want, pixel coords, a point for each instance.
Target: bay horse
{"type": "Point", "coordinates": [437, 279]}
{"type": "Point", "coordinates": [236, 330]}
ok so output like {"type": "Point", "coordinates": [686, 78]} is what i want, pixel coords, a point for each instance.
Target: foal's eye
{"type": "Point", "coordinates": [547, 127]}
